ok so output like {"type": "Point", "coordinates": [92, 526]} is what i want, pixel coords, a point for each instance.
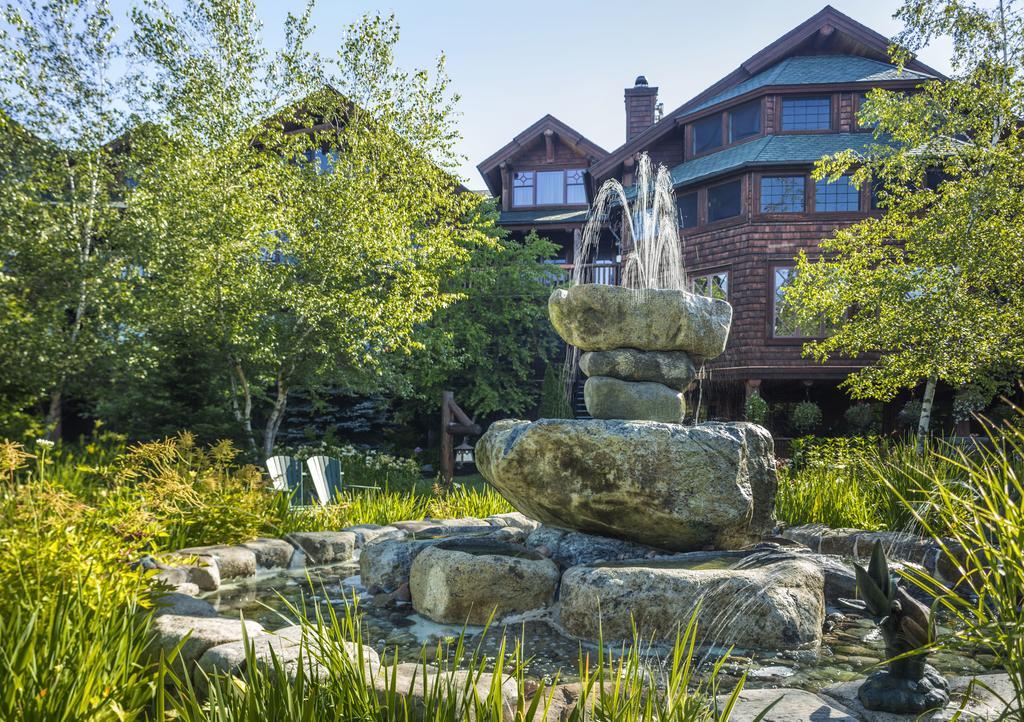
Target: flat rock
{"type": "Point", "coordinates": [571, 548]}
{"type": "Point", "coordinates": [199, 634]}
{"type": "Point", "coordinates": [324, 547]}
{"type": "Point", "coordinates": [779, 605]}
{"type": "Point", "coordinates": [202, 571]}
{"type": "Point", "coordinates": [790, 705]}
{"type": "Point", "coordinates": [271, 553]}
{"type": "Point", "coordinates": [289, 646]}
{"type": "Point", "coordinates": [465, 584]}
{"type": "Point", "coordinates": [232, 561]}
{"type": "Point", "coordinates": [981, 705]}
{"type": "Point", "coordinates": [366, 533]}
{"type": "Point", "coordinates": [513, 519]}
{"type": "Point", "coordinates": [610, 398]}
{"type": "Point", "coordinates": [183, 605]}
{"type": "Point", "coordinates": [674, 369]}
{"type": "Point", "coordinates": [669, 486]}
{"type": "Point", "coordinates": [601, 318]}
{"type": "Point", "coordinates": [416, 684]}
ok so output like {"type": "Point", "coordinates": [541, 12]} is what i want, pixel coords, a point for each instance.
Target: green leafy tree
{"type": "Point", "coordinates": [67, 281]}
{"type": "Point", "coordinates": [933, 285]}
{"type": "Point", "coordinates": [490, 346]}
{"type": "Point", "coordinates": [304, 209]}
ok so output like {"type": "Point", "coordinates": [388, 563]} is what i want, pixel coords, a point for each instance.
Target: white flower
{"type": "Point", "coordinates": [45, 443]}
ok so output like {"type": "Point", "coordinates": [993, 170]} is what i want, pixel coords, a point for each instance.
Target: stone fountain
{"type": "Point", "coordinates": [636, 473]}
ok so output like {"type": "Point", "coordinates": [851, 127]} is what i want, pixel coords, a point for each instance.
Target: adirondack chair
{"type": "Point", "coordinates": [286, 474]}
{"type": "Point", "coordinates": [326, 472]}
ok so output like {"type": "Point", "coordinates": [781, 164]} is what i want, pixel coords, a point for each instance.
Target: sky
{"type": "Point", "coordinates": [511, 63]}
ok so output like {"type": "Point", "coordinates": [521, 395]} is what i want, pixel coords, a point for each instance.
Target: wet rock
{"type": "Point", "coordinates": [788, 705]}
{"type": "Point", "coordinates": [324, 547]}
{"type": "Point", "coordinates": [674, 369]}
{"type": "Point", "coordinates": [601, 318]}
{"type": "Point", "coordinates": [385, 565]}
{"type": "Point", "coordinates": [777, 606]}
{"type": "Point", "coordinates": [513, 519]}
{"type": "Point", "coordinates": [201, 571]}
{"type": "Point", "coordinates": [271, 553]}
{"type": "Point", "coordinates": [665, 485]}
{"type": "Point", "coordinates": [182, 605]}
{"type": "Point", "coordinates": [572, 548]}
{"type": "Point", "coordinates": [199, 634]}
{"type": "Point", "coordinates": [232, 561]}
{"type": "Point", "coordinates": [465, 586]}
{"type": "Point", "coordinates": [610, 398]}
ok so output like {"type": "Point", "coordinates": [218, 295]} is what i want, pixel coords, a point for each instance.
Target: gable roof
{"type": "Point", "coordinates": [490, 167]}
{"type": "Point", "coordinates": [828, 32]}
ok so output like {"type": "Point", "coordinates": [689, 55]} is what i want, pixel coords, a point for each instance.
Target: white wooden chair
{"type": "Point", "coordinates": [286, 475]}
{"type": "Point", "coordinates": [328, 475]}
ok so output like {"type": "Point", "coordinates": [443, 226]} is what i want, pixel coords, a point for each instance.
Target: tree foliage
{"type": "Point", "coordinates": [932, 285]}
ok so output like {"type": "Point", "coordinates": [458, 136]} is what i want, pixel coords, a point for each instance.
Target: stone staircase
{"type": "Point", "coordinates": [579, 406]}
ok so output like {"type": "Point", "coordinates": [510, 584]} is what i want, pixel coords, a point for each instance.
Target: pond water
{"type": "Point", "coordinates": [850, 650]}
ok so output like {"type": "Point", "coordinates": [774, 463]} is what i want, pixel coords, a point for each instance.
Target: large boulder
{"type": "Point", "coordinates": [674, 369]}
{"type": "Point", "coordinates": [776, 606]}
{"type": "Point", "coordinates": [668, 486]}
{"type": "Point", "coordinates": [600, 318]}
{"type": "Point", "coordinates": [610, 398]}
{"type": "Point", "coordinates": [465, 584]}
{"type": "Point", "coordinates": [196, 635]}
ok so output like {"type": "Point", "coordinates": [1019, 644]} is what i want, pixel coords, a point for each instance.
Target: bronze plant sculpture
{"type": "Point", "coordinates": [909, 684]}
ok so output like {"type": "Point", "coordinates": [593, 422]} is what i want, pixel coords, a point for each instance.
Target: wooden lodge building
{"type": "Point", "coordinates": [740, 155]}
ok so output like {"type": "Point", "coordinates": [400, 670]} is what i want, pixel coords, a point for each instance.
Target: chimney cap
{"type": "Point", "coordinates": [640, 81]}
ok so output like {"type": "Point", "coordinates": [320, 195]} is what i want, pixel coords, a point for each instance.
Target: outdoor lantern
{"type": "Point", "coordinates": [463, 453]}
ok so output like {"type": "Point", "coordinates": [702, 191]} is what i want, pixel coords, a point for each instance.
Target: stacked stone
{"type": "Point", "coordinates": [641, 347]}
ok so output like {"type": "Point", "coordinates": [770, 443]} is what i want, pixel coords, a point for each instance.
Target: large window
{"type": "Point", "coordinates": [724, 201]}
{"type": "Point", "coordinates": [707, 134]}
{"type": "Point", "coordinates": [784, 317]}
{"type": "Point", "coordinates": [840, 195]}
{"type": "Point", "coordinates": [713, 285]}
{"type": "Point", "coordinates": [522, 188]}
{"type": "Point", "coordinates": [687, 210]}
{"type": "Point", "coordinates": [806, 113]}
{"type": "Point", "coordinates": [548, 187]}
{"type": "Point", "coordinates": [745, 121]}
{"type": "Point", "coordinates": [782, 194]}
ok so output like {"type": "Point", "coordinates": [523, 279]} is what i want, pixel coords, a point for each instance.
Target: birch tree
{"type": "Point", "coordinates": [933, 284]}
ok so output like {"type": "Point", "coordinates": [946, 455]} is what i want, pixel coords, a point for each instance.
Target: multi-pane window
{"type": "Point", "coordinates": [575, 192]}
{"type": "Point", "coordinates": [548, 187]}
{"type": "Point", "coordinates": [806, 113]}
{"type": "Point", "coordinates": [724, 201]}
{"type": "Point", "coordinates": [782, 194]}
{"type": "Point", "coordinates": [687, 210]}
{"type": "Point", "coordinates": [713, 285]}
{"type": "Point", "coordinates": [839, 195]}
{"type": "Point", "coordinates": [522, 188]}
{"type": "Point", "coordinates": [745, 121]}
{"type": "Point", "coordinates": [707, 134]}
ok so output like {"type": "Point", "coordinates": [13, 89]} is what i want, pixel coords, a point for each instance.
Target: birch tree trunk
{"type": "Point", "coordinates": [924, 423]}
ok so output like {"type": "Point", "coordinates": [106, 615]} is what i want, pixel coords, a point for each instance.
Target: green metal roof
{"type": "Point", "coordinates": [816, 70]}
{"type": "Point", "coordinates": [770, 150]}
{"type": "Point", "coordinates": [541, 217]}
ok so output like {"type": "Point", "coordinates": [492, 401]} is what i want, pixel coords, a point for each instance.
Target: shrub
{"type": "Point", "coordinates": [909, 415]}
{"type": "Point", "coordinates": [755, 409]}
{"type": "Point", "coordinates": [862, 419]}
{"type": "Point", "coordinates": [805, 417]}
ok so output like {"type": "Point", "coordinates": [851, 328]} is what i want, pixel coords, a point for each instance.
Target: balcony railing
{"type": "Point", "coordinates": [605, 274]}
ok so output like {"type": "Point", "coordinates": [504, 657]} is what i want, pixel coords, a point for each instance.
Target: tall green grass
{"type": "Point", "coordinates": [978, 521]}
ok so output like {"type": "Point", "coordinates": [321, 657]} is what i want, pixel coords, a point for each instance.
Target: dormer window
{"type": "Point", "coordinates": [745, 121]}
{"type": "Point", "coordinates": [548, 188]}
{"type": "Point", "coordinates": [707, 134]}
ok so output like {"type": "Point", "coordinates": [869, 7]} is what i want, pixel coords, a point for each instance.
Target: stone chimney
{"type": "Point", "coordinates": [641, 101]}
